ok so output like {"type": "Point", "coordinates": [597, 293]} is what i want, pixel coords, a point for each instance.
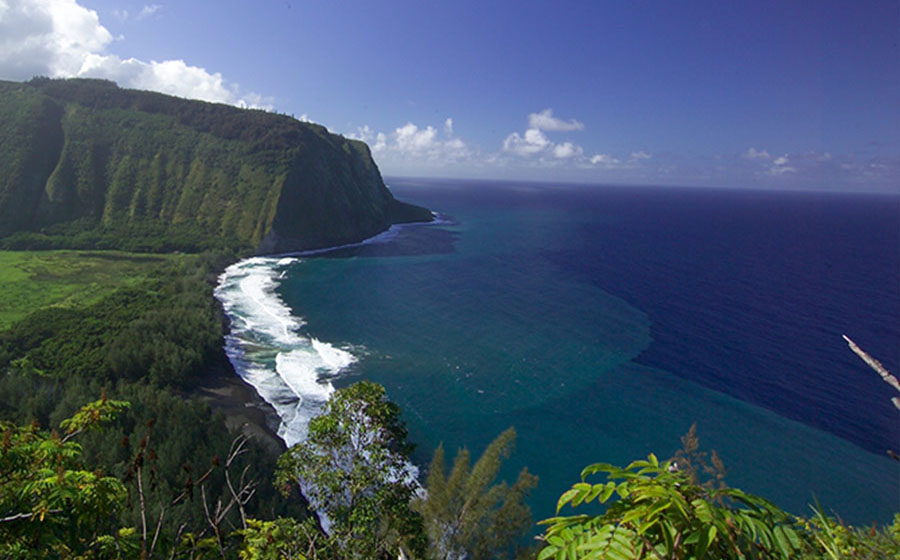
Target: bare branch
{"type": "Point", "coordinates": [140, 487]}
{"type": "Point", "coordinates": [213, 520]}
{"type": "Point", "coordinates": [175, 540]}
{"type": "Point", "coordinates": [159, 520]}
{"type": "Point", "coordinates": [72, 435]}
{"type": "Point", "coordinates": [199, 482]}
{"type": "Point", "coordinates": [876, 365]}
{"type": "Point", "coordinates": [237, 448]}
{"type": "Point", "coordinates": [29, 515]}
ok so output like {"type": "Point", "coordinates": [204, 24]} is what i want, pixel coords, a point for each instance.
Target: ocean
{"type": "Point", "coordinates": [602, 322]}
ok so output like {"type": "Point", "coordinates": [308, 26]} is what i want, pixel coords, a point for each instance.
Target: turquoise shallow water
{"type": "Point", "coordinates": [473, 325]}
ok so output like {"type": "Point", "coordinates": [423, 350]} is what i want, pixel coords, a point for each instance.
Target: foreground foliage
{"type": "Point", "coordinates": [835, 541]}
{"type": "Point", "coordinates": [682, 509]}
{"type": "Point", "coordinates": [660, 513]}
{"type": "Point", "coordinates": [53, 505]}
{"type": "Point", "coordinates": [50, 502]}
{"type": "Point", "coordinates": [152, 339]}
{"type": "Point", "coordinates": [468, 516]}
{"type": "Point", "coordinates": [283, 539]}
{"type": "Point", "coordinates": [354, 469]}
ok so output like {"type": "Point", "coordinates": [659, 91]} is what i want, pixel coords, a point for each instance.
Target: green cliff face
{"type": "Point", "coordinates": [78, 157]}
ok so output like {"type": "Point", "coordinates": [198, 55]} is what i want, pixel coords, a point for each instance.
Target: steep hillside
{"type": "Point", "coordinates": [84, 163]}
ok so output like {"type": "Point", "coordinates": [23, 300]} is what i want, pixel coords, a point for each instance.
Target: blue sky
{"type": "Point", "coordinates": [756, 94]}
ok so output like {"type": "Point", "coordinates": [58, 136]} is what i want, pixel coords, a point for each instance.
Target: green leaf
{"type": "Point", "coordinates": [639, 463]}
{"type": "Point", "coordinates": [656, 510]}
{"type": "Point", "coordinates": [646, 525]}
{"type": "Point", "coordinates": [556, 541]}
{"type": "Point", "coordinates": [599, 467]}
{"type": "Point", "coordinates": [565, 498]}
{"type": "Point", "coordinates": [595, 491]}
{"type": "Point", "coordinates": [583, 489]}
{"type": "Point", "coordinates": [668, 533]}
{"type": "Point", "coordinates": [702, 510]}
{"type": "Point", "coordinates": [608, 490]}
{"type": "Point", "coordinates": [784, 541]}
{"type": "Point", "coordinates": [633, 514]}
{"type": "Point", "coordinates": [793, 538]}
{"type": "Point", "coordinates": [702, 543]}
{"type": "Point", "coordinates": [600, 539]}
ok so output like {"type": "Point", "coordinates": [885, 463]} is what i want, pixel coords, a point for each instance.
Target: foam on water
{"type": "Point", "coordinates": [268, 347]}
{"type": "Point", "coordinates": [269, 350]}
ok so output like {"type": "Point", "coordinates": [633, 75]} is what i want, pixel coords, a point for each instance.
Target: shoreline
{"type": "Point", "coordinates": [223, 390]}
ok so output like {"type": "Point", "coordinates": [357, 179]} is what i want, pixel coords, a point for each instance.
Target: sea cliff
{"type": "Point", "coordinates": [86, 164]}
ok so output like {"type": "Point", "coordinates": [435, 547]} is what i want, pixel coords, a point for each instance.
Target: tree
{"type": "Point", "coordinates": [281, 539]}
{"type": "Point", "coordinates": [354, 469]}
{"type": "Point", "coordinates": [50, 504]}
{"type": "Point", "coordinates": [661, 513]}
{"type": "Point", "coordinates": [465, 514]}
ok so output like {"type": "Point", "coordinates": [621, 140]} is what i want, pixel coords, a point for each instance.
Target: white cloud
{"type": "Point", "coordinates": [380, 142]}
{"type": "Point", "coordinates": [605, 161]}
{"type": "Point", "coordinates": [411, 139]}
{"type": "Point", "coordinates": [776, 170]}
{"type": "Point", "coordinates": [148, 10]}
{"type": "Point", "coordinates": [535, 145]}
{"type": "Point", "coordinates": [532, 142]}
{"type": "Point", "coordinates": [753, 153]}
{"type": "Point", "coordinates": [567, 150]}
{"type": "Point", "coordinates": [637, 156]}
{"type": "Point", "coordinates": [546, 121]}
{"type": "Point", "coordinates": [781, 165]}
{"type": "Point", "coordinates": [363, 133]}
{"type": "Point", "coordinates": [62, 39]}
{"type": "Point", "coordinates": [410, 143]}
{"type": "Point", "coordinates": [49, 37]}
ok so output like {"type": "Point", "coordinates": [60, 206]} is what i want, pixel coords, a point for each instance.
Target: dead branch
{"type": "Point", "coordinates": [237, 449]}
{"type": "Point", "coordinates": [876, 365]}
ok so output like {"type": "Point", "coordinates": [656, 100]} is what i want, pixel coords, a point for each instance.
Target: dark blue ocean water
{"type": "Point", "coordinates": [603, 321]}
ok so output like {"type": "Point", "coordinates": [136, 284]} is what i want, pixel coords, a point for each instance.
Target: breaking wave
{"type": "Point", "coordinates": [269, 349]}
{"type": "Point", "coordinates": [268, 346]}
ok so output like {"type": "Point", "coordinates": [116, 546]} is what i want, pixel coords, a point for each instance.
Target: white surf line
{"type": "Point", "coordinates": [267, 351]}
{"type": "Point", "coordinates": [258, 285]}
{"type": "Point", "coordinates": [292, 368]}
{"type": "Point", "coordinates": [285, 325]}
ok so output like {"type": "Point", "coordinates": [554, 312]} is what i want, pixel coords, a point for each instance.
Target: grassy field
{"type": "Point", "coordinates": [30, 280]}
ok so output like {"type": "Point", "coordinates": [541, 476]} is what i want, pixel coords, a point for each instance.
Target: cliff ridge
{"type": "Point", "coordinates": [85, 163]}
